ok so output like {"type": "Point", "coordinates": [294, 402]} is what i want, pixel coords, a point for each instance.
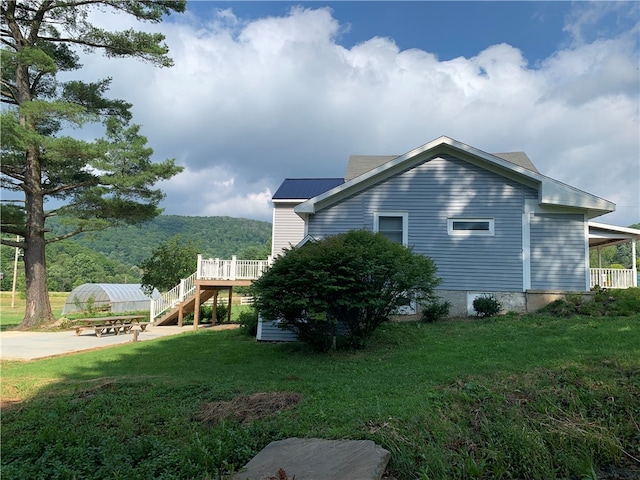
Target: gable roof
{"type": "Point", "coordinates": [305, 188]}
{"type": "Point", "coordinates": [361, 164]}
{"type": "Point", "coordinates": [550, 191]}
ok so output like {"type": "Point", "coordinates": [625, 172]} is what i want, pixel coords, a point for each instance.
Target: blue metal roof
{"type": "Point", "coordinates": [304, 188]}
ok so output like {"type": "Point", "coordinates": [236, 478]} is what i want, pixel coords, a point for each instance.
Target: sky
{"type": "Point", "coordinates": [263, 91]}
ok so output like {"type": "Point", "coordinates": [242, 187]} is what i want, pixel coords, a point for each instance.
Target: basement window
{"type": "Point", "coordinates": [471, 226]}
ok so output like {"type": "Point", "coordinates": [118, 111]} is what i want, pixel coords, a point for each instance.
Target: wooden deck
{"type": "Point", "coordinates": [212, 277]}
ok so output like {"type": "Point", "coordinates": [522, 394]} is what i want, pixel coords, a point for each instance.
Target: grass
{"type": "Point", "coordinates": [511, 397]}
{"type": "Point", "coordinates": [11, 317]}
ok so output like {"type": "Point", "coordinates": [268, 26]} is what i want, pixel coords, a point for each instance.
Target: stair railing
{"type": "Point", "coordinates": [173, 297]}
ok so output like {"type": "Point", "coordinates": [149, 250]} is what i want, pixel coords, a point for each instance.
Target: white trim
{"type": "Point", "coordinates": [550, 191]}
{"type": "Point", "coordinates": [307, 239]}
{"type": "Point", "coordinates": [259, 331]}
{"type": "Point", "coordinates": [393, 213]}
{"type": "Point", "coordinates": [289, 200]}
{"type": "Point", "coordinates": [587, 263]}
{"type": "Point", "coordinates": [467, 233]}
{"type": "Point", "coordinates": [634, 263]}
{"type": "Point", "coordinates": [273, 231]}
{"type": "Point", "coordinates": [529, 207]}
{"type": "Point", "coordinates": [616, 229]}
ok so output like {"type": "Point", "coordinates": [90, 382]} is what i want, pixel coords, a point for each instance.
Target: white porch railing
{"type": "Point", "coordinates": [208, 269]}
{"type": "Point", "coordinates": [234, 269]}
{"type": "Point", "coordinates": [613, 277]}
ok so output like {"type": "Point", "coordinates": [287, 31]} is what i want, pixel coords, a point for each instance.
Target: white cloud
{"type": "Point", "coordinates": [214, 191]}
{"type": "Point", "coordinates": [249, 103]}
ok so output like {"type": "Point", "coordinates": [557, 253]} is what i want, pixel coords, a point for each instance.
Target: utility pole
{"type": "Point", "coordinates": [15, 275]}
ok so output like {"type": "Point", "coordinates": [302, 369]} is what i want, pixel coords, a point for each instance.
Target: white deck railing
{"type": "Point", "coordinates": [613, 277]}
{"type": "Point", "coordinates": [234, 269]}
{"type": "Point", "coordinates": [208, 269]}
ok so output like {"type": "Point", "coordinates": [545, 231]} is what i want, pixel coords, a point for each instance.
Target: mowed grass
{"type": "Point", "coordinates": [512, 397]}
{"type": "Point", "coordinates": [11, 317]}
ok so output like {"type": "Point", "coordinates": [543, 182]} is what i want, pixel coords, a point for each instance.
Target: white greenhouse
{"type": "Point", "coordinates": [109, 297]}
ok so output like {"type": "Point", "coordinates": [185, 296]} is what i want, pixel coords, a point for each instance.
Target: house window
{"type": "Point", "coordinates": [470, 226]}
{"type": "Point", "coordinates": [392, 225]}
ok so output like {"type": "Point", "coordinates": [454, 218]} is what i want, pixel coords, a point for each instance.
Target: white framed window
{"type": "Point", "coordinates": [470, 226]}
{"type": "Point", "coordinates": [393, 225]}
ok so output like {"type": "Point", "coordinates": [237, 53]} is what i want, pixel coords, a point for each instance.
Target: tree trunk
{"type": "Point", "coordinates": [38, 310]}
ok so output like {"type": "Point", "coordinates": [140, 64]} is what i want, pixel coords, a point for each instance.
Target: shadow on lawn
{"type": "Point", "coordinates": [513, 395]}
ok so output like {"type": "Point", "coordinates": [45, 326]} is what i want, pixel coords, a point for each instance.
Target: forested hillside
{"type": "Point", "coordinates": [112, 256]}
{"type": "Point", "coordinates": [219, 237]}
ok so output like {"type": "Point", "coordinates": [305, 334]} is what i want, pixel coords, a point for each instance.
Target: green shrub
{"type": "Point", "coordinates": [221, 313]}
{"type": "Point", "coordinates": [346, 284]}
{"type": "Point", "coordinates": [622, 302]}
{"type": "Point", "coordinates": [248, 320]}
{"type": "Point", "coordinates": [486, 306]}
{"type": "Point", "coordinates": [206, 313]}
{"type": "Point", "coordinates": [435, 311]}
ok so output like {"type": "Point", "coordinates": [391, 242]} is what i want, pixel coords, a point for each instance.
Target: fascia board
{"type": "Point", "coordinates": [289, 200]}
{"type": "Point", "coordinates": [602, 230]}
{"type": "Point", "coordinates": [553, 192]}
{"type": "Point", "coordinates": [550, 192]}
{"type": "Point", "coordinates": [433, 149]}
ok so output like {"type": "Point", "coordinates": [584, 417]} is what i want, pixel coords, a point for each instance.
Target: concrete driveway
{"type": "Point", "coordinates": [16, 345]}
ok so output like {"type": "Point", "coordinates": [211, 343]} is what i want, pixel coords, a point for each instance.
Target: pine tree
{"type": "Point", "coordinates": [98, 183]}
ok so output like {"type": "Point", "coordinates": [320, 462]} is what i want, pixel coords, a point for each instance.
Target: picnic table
{"type": "Point", "coordinates": [115, 324]}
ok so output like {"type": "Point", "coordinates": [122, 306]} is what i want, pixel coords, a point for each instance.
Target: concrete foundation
{"type": "Point", "coordinates": [522, 302]}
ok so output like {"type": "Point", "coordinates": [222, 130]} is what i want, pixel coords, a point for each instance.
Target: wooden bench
{"type": "Point", "coordinates": [114, 324]}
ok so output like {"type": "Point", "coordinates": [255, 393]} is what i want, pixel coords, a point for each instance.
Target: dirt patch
{"type": "Point", "coordinates": [7, 404]}
{"type": "Point", "coordinates": [246, 408]}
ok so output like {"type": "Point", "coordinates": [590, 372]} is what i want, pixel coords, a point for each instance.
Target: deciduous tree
{"type": "Point", "coordinates": [98, 183]}
{"type": "Point", "coordinates": [172, 261]}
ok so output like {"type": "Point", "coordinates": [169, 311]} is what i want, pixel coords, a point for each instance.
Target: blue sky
{"type": "Point", "coordinates": [449, 29]}
{"type": "Point", "coordinates": [262, 91]}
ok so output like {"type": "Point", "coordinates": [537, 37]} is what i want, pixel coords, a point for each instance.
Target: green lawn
{"type": "Point", "coordinates": [512, 397]}
{"type": "Point", "coordinates": [11, 317]}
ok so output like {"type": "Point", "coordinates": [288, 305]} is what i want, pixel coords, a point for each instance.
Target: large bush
{"type": "Point", "coordinates": [343, 286]}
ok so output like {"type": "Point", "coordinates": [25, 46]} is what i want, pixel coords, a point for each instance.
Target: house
{"type": "Point", "coordinates": [492, 223]}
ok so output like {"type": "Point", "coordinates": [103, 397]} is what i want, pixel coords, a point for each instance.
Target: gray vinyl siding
{"type": "Point", "coordinates": [288, 227]}
{"type": "Point", "coordinates": [431, 193]}
{"type": "Point", "coordinates": [270, 332]}
{"type": "Point", "coordinates": [558, 252]}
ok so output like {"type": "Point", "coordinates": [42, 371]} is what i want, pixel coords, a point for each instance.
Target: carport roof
{"type": "Point", "coordinates": [601, 234]}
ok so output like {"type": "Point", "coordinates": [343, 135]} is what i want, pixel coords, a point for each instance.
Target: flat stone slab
{"type": "Point", "coordinates": [317, 459]}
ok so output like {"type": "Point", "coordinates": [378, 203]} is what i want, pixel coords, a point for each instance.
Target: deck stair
{"type": "Point", "coordinates": [211, 276]}
{"type": "Point", "coordinates": [171, 316]}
